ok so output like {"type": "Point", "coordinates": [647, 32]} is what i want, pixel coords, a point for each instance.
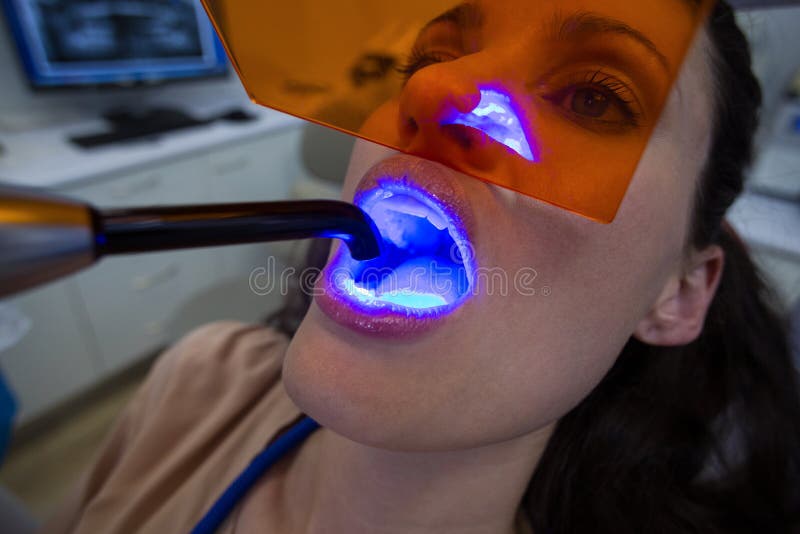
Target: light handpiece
{"type": "Point", "coordinates": [44, 237]}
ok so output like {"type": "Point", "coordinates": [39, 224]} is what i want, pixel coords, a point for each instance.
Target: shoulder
{"type": "Point", "coordinates": [220, 366]}
{"type": "Point", "coordinates": [188, 431]}
{"type": "Point", "coordinates": [226, 347]}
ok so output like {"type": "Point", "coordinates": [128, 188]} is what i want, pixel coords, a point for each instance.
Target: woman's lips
{"type": "Point", "coordinates": [439, 185]}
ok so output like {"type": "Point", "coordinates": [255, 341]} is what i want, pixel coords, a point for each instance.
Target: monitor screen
{"type": "Point", "coordinates": [120, 42]}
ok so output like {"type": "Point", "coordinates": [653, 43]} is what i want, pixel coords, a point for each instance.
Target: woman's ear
{"type": "Point", "coordinates": [679, 313]}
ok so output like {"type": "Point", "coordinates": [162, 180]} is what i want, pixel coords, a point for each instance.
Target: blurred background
{"type": "Point", "coordinates": [123, 103]}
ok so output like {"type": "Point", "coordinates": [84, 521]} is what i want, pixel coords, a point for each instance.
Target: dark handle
{"type": "Point", "coordinates": [127, 231]}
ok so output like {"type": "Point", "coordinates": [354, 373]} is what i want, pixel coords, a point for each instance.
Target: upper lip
{"type": "Point", "coordinates": [433, 180]}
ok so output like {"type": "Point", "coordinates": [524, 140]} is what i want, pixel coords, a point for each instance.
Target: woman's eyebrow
{"type": "Point", "coordinates": [583, 24]}
{"type": "Point", "coordinates": [465, 15]}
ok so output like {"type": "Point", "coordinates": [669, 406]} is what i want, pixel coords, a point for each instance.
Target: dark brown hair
{"type": "Point", "coordinates": [703, 438]}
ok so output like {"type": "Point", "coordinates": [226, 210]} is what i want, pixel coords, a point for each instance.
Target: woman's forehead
{"type": "Point", "coordinates": [662, 29]}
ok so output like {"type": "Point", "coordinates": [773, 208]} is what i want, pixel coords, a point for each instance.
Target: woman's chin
{"type": "Point", "coordinates": [364, 388]}
{"type": "Point", "coordinates": [332, 379]}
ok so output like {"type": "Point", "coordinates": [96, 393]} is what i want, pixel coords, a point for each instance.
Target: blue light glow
{"type": "Point", "coordinates": [405, 298]}
{"type": "Point", "coordinates": [495, 116]}
{"type": "Point", "coordinates": [422, 268]}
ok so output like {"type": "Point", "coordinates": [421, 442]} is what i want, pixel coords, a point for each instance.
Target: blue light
{"type": "Point", "coordinates": [495, 116]}
{"type": "Point", "coordinates": [405, 298]}
{"type": "Point", "coordinates": [412, 300]}
{"type": "Point", "coordinates": [421, 271]}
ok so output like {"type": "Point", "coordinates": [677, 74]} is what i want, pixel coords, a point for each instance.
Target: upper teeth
{"type": "Point", "coordinates": [411, 206]}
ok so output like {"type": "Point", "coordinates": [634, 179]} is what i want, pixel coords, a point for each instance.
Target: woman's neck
{"type": "Point", "coordinates": [345, 486]}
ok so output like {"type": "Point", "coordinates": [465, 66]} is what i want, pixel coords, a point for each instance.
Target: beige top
{"type": "Point", "coordinates": [187, 433]}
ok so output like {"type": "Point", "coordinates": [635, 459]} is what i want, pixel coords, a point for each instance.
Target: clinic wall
{"type": "Point", "coordinates": [776, 49]}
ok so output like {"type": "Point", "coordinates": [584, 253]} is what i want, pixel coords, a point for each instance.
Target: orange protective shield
{"type": "Point", "coordinates": [554, 99]}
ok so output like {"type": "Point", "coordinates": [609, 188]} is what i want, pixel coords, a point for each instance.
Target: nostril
{"type": "Point", "coordinates": [432, 97]}
{"type": "Point", "coordinates": [408, 129]}
{"type": "Point", "coordinates": [460, 134]}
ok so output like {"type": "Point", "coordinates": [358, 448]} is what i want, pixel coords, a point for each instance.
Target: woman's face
{"type": "Point", "coordinates": [552, 297]}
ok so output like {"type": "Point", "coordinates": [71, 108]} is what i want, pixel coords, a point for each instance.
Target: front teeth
{"type": "Point", "coordinates": [436, 220]}
{"type": "Point", "coordinates": [411, 206]}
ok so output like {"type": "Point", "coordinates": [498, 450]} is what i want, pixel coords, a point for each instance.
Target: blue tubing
{"type": "Point", "coordinates": [225, 504]}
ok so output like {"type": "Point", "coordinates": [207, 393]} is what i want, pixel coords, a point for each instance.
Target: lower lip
{"type": "Point", "coordinates": [386, 322]}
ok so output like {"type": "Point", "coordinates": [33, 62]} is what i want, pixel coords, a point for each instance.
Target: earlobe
{"type": "Point", "coordinates": [678, 315]}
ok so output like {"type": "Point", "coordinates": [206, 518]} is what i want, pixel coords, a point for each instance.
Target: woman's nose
{"type": "Point", "coordinates": [430, 104]}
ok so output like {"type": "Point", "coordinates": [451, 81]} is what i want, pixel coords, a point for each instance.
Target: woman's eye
{"type": "Point", "coordinates": [599, 105]}
{"type": "Point", "coordinates": [599, 101]}
{"type": "Point", "coordinates": [590, 102]}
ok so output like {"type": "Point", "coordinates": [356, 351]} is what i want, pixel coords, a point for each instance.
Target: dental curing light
{"type": "Point", "coordinates": [44, 237]}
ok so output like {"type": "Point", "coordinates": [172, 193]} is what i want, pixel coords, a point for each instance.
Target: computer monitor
{"type": "Point", "coordinates": [118, 42]}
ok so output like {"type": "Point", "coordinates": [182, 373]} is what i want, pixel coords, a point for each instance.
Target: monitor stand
{"type": "Point", "coordinates": [129, 125]}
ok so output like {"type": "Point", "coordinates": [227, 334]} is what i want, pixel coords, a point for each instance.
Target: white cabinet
{"type": "Point", "coordinates": [253, 172]}
{"type": "Point", "coordinates": [57, 357]}
{"type": "Point", "coordinates": [139, 303]}
{"type": "Point", "coordinates": [260, 173]}
{"type": "Point", "coordinates": [130, 301]}
{"type": "Point", "coordinates": [180, 181]}
{"type": "Point", "coordinates": [250, 172]}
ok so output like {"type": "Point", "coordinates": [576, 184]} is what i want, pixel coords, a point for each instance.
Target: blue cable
{"type": "Point", "coordinates": [223, 507]}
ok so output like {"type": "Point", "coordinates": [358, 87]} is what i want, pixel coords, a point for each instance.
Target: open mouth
{"type": "Point", "coordinates": [425, 265]}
